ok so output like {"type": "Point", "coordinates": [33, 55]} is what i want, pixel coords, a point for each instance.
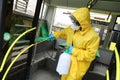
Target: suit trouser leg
{"type": "Point", "coordinates": [64, 77]}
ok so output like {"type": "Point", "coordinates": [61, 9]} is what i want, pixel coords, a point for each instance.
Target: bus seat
{"type": "Point", "coordinates": [100, 65]}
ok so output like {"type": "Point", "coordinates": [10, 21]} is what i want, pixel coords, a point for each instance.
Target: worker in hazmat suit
{"type": "Point", "coordinates": [83, 43]}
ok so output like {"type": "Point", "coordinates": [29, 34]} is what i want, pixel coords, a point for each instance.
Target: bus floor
{"type": "Point", "coordinates": [44, 74]}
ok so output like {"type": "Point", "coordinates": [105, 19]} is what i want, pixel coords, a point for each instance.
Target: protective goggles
{"type": "Point", "coordinates": [74, 21]}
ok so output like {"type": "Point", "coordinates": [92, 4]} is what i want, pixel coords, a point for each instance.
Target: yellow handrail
{"type": "Point", "coordinates": [107, 75]}
{"type": "Point", "coordinates": [4, 76]}
{"type": "Point", "coordinates": [117, 64]}
{"type": "Point", "coordinates": [10, 48]}
{"type": "Point", "coordinates": [21, 52]}
{"type": "Point", "coordinates": [113, 48]}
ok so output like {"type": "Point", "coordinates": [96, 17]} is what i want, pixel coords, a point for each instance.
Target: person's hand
{"type": "Point", "coordinates": [69, 50]}
{"type": "Point", "coordinates": [51, 37]}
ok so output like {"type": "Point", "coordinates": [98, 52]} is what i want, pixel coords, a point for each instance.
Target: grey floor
{"type": "Point", "coordinates": [45, 75]}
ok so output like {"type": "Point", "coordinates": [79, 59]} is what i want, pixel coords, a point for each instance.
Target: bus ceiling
{"type": "Point", "coordinates": [100, 5]}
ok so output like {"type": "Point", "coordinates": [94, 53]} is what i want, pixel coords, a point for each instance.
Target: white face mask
{"type": "Point", "coordinates": [75, 27]}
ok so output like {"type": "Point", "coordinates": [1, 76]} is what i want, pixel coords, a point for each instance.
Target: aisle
{"type": "Point", "coordinates": [45, 75]}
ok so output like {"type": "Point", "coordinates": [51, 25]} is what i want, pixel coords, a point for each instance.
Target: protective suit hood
{"type": "Point", "coordinates": [82, 15]}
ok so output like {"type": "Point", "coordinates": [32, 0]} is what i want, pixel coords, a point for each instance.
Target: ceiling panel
{"type": "Point", "coordinates": [104, 5]}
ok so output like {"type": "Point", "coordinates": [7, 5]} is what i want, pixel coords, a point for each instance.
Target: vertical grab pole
{"type": "Point", "coordinates": [32, 37]}
{"type": "Point", "coordinates": [110, 27]}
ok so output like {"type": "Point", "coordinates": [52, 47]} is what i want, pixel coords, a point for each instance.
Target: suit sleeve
{"type": "Point", "coordinates": [61, 34]}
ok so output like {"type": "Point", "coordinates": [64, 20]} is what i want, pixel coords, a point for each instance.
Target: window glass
{"type": "Point", "coordinates": [118, 20]}
{"type": "Point", "coordinates": [19, 6]}
{"type": "Point", "coordinates": [62, 17]}
{"type": "Point", "coordinates": [25, 6]}
{"type": "Point", "coordinates": [100, 17]}
{"type": "Point", "coordinates": [31, 7]}
{"type": "Point", "coordinates": [117, 25]}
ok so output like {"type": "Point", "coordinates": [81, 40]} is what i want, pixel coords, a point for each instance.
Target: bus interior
{"type": "Point", "coordinates": [46, 16]}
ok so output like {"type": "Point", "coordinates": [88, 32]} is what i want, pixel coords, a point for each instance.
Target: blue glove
{"type": "Point", "coordinates": [51, 37]}
{"type": "Point", "coordinates": [69, 50]}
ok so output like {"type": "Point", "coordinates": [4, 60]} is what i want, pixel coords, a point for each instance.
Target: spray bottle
{"type": "Point", "coordinates": [64, 63]}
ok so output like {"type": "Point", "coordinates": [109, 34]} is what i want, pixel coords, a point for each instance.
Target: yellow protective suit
{"type": "Point", "coordinates": [85, 43]}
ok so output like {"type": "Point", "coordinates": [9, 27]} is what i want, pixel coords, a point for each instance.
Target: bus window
{"type": "Point", "coordinates": [28, 7]}
{"type": "Point", "coordinates": [25, 6]}
{"type": "Point", "coordinates": [100, 23]}
{"type": "Point", "coordinates": [118, 20]}
{"type": "Point", "coordinates": [61, 19]}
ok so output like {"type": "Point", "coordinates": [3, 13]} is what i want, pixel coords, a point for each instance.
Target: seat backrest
{"type": "Point", "coordinates": [106, 56]}
{"type": "Point", "coordinates": [99, 66]}
{"type": "Point", "coordinates": [45, 46]}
